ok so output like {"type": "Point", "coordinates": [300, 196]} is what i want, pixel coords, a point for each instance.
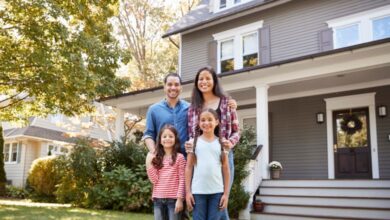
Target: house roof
{"type": "Point", "coordinates": [38, 132]}
{"type": "Point", "coordinates": [202, 15]}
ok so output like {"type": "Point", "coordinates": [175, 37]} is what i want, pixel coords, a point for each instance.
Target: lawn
{"type": "Point", "coordinates": [17, 211]}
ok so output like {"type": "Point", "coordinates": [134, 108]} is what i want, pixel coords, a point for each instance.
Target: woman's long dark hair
{"type": "Point", "coordinates": [198, 132]}
{"type": "Point", "coordinates": [157, 161]}
{"type": "Point", "coordinates": [197, 96]}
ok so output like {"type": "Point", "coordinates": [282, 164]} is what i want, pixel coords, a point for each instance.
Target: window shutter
{"type": "Point", "coordinates": [326, 39]}
{"type": "Point", "coordinates": [264, 45]}
{"type": "Point", "coordinates": [212, 54]}
{"type": "Point", "coordinates": [19, 152]}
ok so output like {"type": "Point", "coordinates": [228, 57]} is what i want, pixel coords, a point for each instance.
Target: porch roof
{"type": "Point", "coordinates": [38, 132]}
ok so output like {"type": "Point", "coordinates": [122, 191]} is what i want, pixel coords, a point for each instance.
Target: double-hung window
{"type": "Point", "coordinates": [238, 48]}
{"type": "Point", "coordinates": [362, 27]}
{"type": "Point", "coordinates": [10, 152]}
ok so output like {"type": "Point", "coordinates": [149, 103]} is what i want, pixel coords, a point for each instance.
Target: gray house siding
{"type": "Point", "coordinates": [294, 29]}
{"type": "Point", "coordinates": [300, 144]}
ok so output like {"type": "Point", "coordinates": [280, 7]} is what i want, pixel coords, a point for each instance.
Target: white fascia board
{"type": "Point", "coordinates": [238, 31]}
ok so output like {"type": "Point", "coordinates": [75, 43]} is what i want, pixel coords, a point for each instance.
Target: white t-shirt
{"type": "Point", "coordinates": [207, 178]}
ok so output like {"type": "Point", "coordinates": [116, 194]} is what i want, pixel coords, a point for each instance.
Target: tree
{"type": "Point", "coordinates": [56, 56]}
{"type": "Point", "coordinates": [3, 179]}
{"type": "Point", "coordinates": [141, 24]}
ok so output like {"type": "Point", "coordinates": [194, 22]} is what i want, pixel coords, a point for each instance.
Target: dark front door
{"type": "Point", "coordinates": [352, 152]}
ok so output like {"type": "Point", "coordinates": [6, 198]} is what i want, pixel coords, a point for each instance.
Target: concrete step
{"type": "Point", "coordinates": [277, 216]}
{"type": "Point", "coordinates": [328, 183]}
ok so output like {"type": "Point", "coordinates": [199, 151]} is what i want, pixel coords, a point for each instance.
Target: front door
{"type": "Point", "coordinates": [352, 144]}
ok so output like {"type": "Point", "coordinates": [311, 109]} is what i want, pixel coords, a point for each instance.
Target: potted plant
{"type": "Point", "coordinates": [276, 169]}
{"type": "Point", "coordinates": [258, 205]}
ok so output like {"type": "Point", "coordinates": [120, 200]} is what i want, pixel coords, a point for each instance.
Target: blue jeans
{"type": "Point", "coordinates": [207, 207]}
{"type": "Point", "coordinates": [164, 209]}
{"type": "Point", "coordinates": [225, 215]}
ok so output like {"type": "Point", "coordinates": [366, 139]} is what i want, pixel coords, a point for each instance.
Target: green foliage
{"type": "Point", "coordinates": [239, 198]}
{"type": "Point", "coordinates": [43, 177]}
{"type": "Point", "coordinates": [57, 56]}
{"type": "Point", "coordinates": [16, 192]}
{"type": "Point", "coordinates": [3, 178]}
{"type": "Point", "coordinates": [81, 174]}
{"type": "Point", "coordinates": [123, 189]}
{"type": "Point", "coordinates": [127, 153]}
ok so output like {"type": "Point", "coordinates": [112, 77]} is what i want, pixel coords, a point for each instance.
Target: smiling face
{"type": "Point", "coordinates": [167, 139]}
{"type": "Point", "coordinates": [207, 122]}
{"type": "Point", "coordinates": [172, 87]}
{"type": "Point", "coordinates": [205, 82]}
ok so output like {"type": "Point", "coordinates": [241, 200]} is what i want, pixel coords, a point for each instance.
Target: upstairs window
{"type": "Point", "coordinates": [238, 48]}
{"type": "Point", "coordinates": [362, 27]}
{"type": "Point", "coordinates": [226, 4]}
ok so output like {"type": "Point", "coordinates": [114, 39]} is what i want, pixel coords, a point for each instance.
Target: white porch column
{"type": "Point", "coordinates": [262, 127]}
{"type": "Point", "coordinates": [119, 123]}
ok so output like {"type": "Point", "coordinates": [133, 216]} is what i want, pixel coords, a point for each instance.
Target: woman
{"type": "Point", "coordinates": [207, 93]}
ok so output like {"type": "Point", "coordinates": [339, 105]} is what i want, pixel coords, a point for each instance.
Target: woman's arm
{"type": "Point", "coordinates": [235, 126]}
{"type": "Point", "coordinates": [226, 181]}
{"type": "Point", "coordinates": [188, 175]}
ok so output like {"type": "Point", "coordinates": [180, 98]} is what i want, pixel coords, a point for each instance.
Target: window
{"type": "Point", "coordinates": [226, 4]}
{"type": "Point", "coordinates": [57, 150]}
{"type": "Point", "coordinates": [238, 47]}
{"type": "Point", "coordinates": [11, 152]}
{"type": "Point", "coordinates": [362, 27]}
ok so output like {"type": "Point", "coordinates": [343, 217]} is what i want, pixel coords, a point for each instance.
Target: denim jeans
{"type": "Point", "coordinates": [164, 209]}
{"type": "Point", "coordinates": [207, 207]}
{"type": "Point", "coordinates": [225, 215]}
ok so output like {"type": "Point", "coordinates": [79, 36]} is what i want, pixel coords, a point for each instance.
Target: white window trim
{"type": "Point", "coordinates": [352, 101]}
{"type": "Point", "coordinates": [236, 34]}
{"type": "Point", "coordinates": [10, 153]}
{"type": "Point", "coordinates": [229, 4]}
{"type": "Point", "coordinates": [58, 151]}
{"type": "Point", "coordinates": [364, 19]}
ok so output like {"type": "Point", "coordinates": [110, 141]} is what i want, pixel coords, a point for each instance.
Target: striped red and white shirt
{"type": "Point", "coordinates": [168, 182]}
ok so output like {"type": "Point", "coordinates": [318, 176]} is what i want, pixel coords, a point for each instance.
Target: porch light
{"type": "Point", "coordinates": [382, 111]}
{"type": "Point", "coordinates": [320, 117]}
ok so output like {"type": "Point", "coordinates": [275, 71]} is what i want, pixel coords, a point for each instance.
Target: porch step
{"type": "Point", "coordinates": [278, 216]}
{"type": "Point", "coordinates": [324, 199]}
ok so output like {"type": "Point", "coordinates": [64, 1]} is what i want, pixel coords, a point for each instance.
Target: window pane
{"type": "Point", "coordinates": [227, 65]}
{"type": "Point", "coordinates": [250, 60]}
{"type": "Point", "coordinates": [227, 50]}
{"type": "Point", "coordinates": [347, 36]}
{"type": "Point", "coordinates": [222, 3]}
{"type": "Point", "coordinates": [237, 1]}
{"type": "Point", "coordinates": [14, 152]}
{"type": "Point", "coordinates": [6, 153]}
{"type": "Point", "coordinates": [249, 43]}
{"type": "Point", "coordinates": [381, 28]}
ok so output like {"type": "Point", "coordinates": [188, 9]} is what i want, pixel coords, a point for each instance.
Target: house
{"type": "Point", "coordinates": [54, 135]}
{"type": "Point", "coordinates": [313, 77]}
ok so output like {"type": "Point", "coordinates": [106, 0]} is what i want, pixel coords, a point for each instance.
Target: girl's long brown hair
{"type": "Point", "coordinates": [157, 161]}
{"type": "Point", "coordinates": [198, 132]}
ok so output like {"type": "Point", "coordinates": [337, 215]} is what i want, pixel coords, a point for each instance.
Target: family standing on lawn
{"type": "Point", "coordinates": [203, 132]}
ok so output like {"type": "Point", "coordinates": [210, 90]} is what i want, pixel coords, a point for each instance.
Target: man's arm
{"type": "Point", "coordinates": [150, 144]}
{"type": "Point", "coordinates": [150, 131]}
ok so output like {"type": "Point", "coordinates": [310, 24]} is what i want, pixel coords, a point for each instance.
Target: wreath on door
{"type": "Point", "coordinates": [351, 124]}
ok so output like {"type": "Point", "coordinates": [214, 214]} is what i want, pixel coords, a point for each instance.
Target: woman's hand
{"type": "Point", "coordinates": [223, 203]}
{"type": "Point", "coordinates": [232, 103]}
{"type": "Point", "coordinates": [190, 201]}
{"type": "Point", "coordinates": [179, 205]}
{"type": "Point", "coordinates": [189, 145]}
{"type": "Point", "coordinates": [227, 144]}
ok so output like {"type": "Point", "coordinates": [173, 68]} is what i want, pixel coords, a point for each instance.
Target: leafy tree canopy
{"type": "Point", "coordinates": [56, 56]}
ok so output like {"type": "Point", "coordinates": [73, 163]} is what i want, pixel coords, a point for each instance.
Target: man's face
{"type": "Point", "coordinates": [172, 87]}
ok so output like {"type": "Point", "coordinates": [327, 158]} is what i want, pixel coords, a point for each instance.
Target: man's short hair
{"type": "Point", "coordinates": [173, 75]}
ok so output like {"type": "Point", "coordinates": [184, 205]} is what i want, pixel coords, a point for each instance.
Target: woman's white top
{"type": "Point", "coordinates": [207, 178]}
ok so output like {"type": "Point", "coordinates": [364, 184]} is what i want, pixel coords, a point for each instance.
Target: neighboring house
{"type": "Point", "coordinates": [299, 69]}
{"type": "Point", "coordinates": [55, 134]}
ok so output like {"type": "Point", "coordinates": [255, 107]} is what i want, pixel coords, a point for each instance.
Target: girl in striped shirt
{"type": "Point", "coordinates": [165, 169]}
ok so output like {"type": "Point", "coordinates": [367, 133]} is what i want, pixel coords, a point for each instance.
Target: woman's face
{"type": "Point", "coordinates": [205, 82]}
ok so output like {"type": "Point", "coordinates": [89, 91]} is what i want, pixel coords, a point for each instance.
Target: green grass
{"type": "Point", "coordinates": [11, 212]}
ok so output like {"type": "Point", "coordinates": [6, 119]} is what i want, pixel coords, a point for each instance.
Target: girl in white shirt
{"type": "Point", "coordinates": [207, 171]}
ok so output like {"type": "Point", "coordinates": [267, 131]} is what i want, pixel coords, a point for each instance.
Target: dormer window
{"type": "Point", "coordinates": [226, 4]}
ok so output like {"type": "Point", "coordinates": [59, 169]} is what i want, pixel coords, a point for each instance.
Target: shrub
{"type": "Point", "coordinates": [239, 198]}
{"type": "Point", "coordinates": [123, 189]}
{"type": "Point", "coordinates": [16, 192]}
{"type": "Point", "coordinates": [43, 177]}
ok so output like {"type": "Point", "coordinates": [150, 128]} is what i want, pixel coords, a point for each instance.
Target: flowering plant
{"type": "Point", "coordinates": [275, 165]}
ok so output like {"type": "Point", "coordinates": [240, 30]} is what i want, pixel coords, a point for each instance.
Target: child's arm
{"type": "Point", "coordinates": [181, 189]}
{"type": "Point", "coordinates": [188, 175]}
{"type": "Point", "coordinates": [150, 169]}
{"type": "Point", "coordinates": [226, 181]}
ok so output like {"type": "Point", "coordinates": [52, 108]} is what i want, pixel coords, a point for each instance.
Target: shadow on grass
{"type": "Point", "coordinates": [23, 212]}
